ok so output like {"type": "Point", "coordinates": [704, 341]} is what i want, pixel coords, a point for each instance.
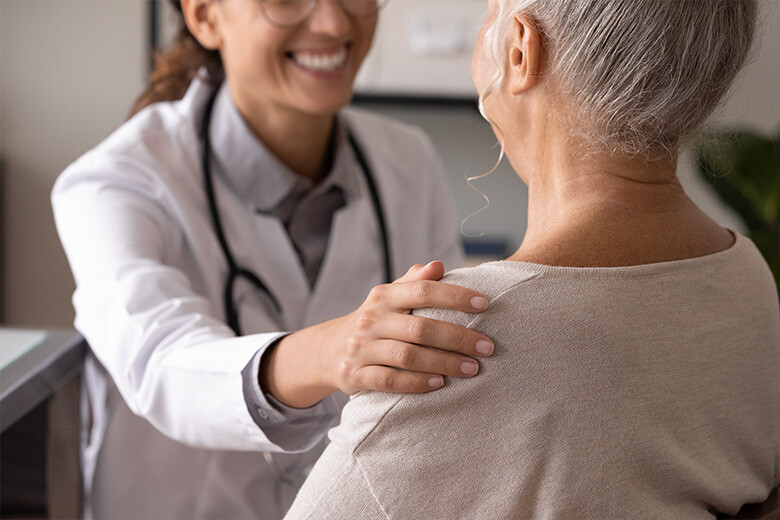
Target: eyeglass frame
{"type": "Point", "coordinates": [310, 10]}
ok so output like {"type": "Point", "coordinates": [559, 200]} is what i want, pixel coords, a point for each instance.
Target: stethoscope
{"type": "Point", "coordinates": [234, 270]}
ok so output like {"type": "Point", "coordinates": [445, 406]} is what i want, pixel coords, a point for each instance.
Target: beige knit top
{"type": "Point", "coordinates": [648, 391]}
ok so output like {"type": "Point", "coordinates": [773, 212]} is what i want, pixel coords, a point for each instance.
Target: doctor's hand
{"type": "Point", "coordinates": [381, 345]}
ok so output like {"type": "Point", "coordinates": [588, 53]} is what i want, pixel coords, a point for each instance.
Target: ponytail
{"type": "Point", "coordinates": [175, 68]}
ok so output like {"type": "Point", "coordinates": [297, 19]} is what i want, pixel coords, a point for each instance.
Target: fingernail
{"type": "Point", "coordinates": [469, 367]}
{"type": "Point", "coordinates": [429, 264]}
{"type": "Point", "coordinates": [485, 347]}
{"type": "Point", "coordinates": [436, 382]}
{"type": "Point", "coordinates": [479, 303]}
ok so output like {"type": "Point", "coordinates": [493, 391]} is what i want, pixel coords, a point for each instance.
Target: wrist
{"type": "Point", "coordinates": [291, 371]}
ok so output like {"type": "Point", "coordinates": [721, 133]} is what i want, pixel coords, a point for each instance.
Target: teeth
{"type": "Point", "coordinates": [320, 62]}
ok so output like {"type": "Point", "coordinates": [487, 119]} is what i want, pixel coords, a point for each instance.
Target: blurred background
{"type": "Point", "coordinates": [70, 69]}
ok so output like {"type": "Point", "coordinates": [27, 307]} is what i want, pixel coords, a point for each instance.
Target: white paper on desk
{"type": "Point", "coordinates": [16, 342]}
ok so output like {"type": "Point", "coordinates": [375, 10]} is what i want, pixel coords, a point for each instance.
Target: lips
{"type": "Point", "coordinates": [321, 61]}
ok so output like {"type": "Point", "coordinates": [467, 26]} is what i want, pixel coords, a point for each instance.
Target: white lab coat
{"type": "Point", "coordinates": [132, 218]}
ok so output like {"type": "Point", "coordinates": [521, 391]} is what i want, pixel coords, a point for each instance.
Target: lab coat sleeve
{"type": "Point", "coordinates": [283, 425]}
{"type": "Point", "coordinates": [173, 361]}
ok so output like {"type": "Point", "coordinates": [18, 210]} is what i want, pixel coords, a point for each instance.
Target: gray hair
{"type": "Point", "coordinates": [641, 74]}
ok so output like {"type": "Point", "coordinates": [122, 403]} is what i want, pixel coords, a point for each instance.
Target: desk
{"type": "Point", "coordinates": [39, 421]}
{"type": "Point", "coordinates": [34, 364]}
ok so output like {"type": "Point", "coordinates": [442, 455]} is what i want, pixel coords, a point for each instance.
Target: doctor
{"type": "Point", "coordinates": [242, 203]}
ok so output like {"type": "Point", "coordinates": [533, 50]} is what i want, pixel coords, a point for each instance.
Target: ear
{"type": "Point", "coordinates": [525, 55]}
{"type": "Point", "coordinates": [202, 22]}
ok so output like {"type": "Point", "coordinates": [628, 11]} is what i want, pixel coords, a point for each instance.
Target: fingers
{"type": "Point", "coordinates": [414, 358]}
{"type": "Point", "coordinates": [395, 366]}
{"type": "Point", "coordinates": [418, 294]}
{"type": "Point", "coordinates": [441, 335]}
{"type": "Point", "coordinates": [386, 379]}
{"type": "Point", "coordinates": [383, 347]}
{"type": "Point", "coordinates": [414, 350]}
{"type": "Point", "coordinates": [430, 271]}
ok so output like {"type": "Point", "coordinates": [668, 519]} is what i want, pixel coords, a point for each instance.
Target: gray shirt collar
{"type": "Point", "coordinates": [259, 178]}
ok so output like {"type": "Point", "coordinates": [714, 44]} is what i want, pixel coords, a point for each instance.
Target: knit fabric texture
{"type": "Point", "coordinates": [647, 391]}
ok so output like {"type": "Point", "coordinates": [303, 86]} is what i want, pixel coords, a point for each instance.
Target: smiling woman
{"type": "Point", "coordinates": [277, 73]}
{"type": "Point", "coordinates": [235, 245]}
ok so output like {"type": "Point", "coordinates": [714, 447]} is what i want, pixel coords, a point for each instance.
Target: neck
{"type": "Point", "coordinates": [565, 186]}
{"type": "Point", "coordinates": [607, 210]}
{"type": "Point", "coordinates": [301, 141]}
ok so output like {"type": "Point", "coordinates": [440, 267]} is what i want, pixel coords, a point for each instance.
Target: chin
{"type": "Point", "coordinates": [329, 105]}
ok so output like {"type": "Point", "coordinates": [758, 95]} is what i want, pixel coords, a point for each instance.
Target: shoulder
{"type": "Point", "coordinates": [492, 279]}
{"type": "Point", "coordinates": [158, 142]}
{"type": "Point", "coordinates": [387, 140]}
{"type": "Point", "coordinates": [495, 280]}
{"type": "Point", "coordinates": [409, 172]}
{"type": "Point", "coordinates": [366, 122]}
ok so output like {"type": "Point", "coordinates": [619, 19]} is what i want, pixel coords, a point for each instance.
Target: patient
{"type": "Point", "coordinates": [637, 364]}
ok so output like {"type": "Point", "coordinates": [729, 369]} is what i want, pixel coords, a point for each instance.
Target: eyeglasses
{"type": "Point", "coordinates": [286, 14]}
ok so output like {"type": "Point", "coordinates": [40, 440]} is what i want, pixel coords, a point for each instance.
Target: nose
{"type": "Point", "coordinates": [329, 18]}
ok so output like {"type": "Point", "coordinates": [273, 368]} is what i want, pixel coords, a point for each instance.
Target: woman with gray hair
{"type": "Point", "coordinates": [637, 363]}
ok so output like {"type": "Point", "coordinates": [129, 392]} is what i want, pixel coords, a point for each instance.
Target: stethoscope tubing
{"type": "Point", "coordinates": [377, 202]}
{"type": "Point", "coordinates": [234, 271]}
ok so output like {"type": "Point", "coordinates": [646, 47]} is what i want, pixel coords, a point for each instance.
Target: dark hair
{"type": "Point", "coordinates": [175, 68]}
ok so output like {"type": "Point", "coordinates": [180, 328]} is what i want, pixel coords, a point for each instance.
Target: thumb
{"type": "Point", "coordinates": [430, 271]}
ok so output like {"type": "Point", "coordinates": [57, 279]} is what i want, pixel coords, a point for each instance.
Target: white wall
{"type": "Point", "coordinates": [69, 70]}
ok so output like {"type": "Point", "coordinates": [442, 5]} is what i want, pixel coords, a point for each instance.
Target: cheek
{"type": "Point", "coordinates": [365, 30]}
{"type": "Point", "coordinates": [480, 68]}
{"type": "Point", "coordinates": [481, 65]}
{"type": "Point", "coordinates": [251, 54]}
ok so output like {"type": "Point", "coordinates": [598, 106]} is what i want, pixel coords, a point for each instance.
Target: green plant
{"type": "Point", "coordinates": [744, 169]}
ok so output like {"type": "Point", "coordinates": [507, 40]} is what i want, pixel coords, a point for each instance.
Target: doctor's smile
{"type": "Point", "coordinates": [322, 61]}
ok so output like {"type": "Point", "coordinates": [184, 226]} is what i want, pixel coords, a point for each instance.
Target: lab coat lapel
{"type": "Point", "coordinates": [281, 270]}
